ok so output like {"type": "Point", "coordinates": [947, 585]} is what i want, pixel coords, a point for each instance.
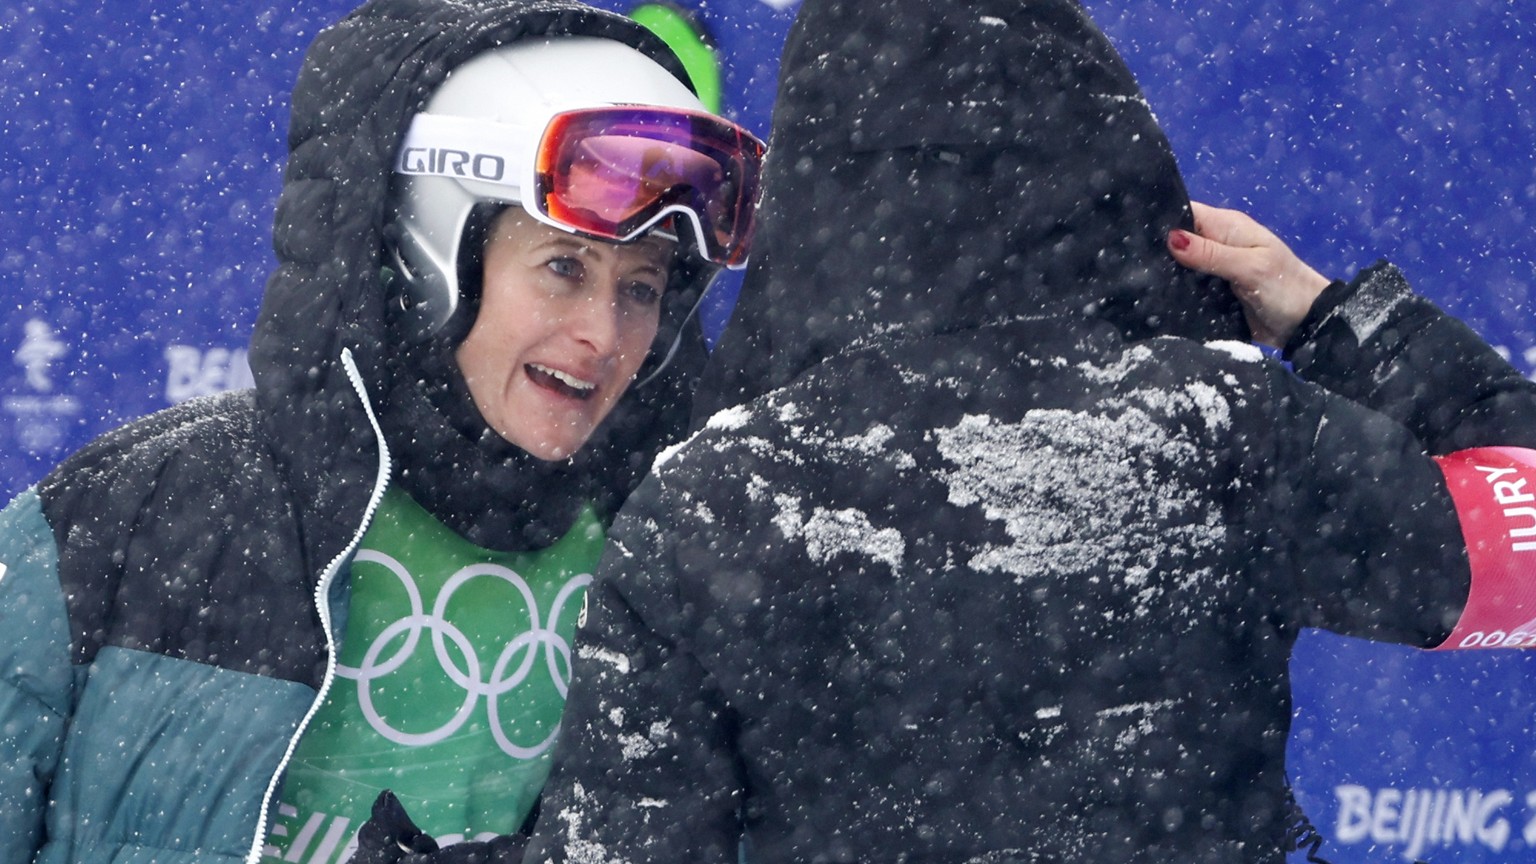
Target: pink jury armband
{"type": "Point", "coordinates": [1495, 493]}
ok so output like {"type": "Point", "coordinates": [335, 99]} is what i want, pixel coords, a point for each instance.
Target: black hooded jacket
{"type": "Point", "coordinates": [1004, 553]}
{"type": "Point", "coordinates": [178, 581]}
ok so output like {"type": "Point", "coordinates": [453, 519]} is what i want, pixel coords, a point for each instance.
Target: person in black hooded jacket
{"type": "Point", "coordinates": [999, 532]}
{"type": "Point", "coordinates": [237, 622]}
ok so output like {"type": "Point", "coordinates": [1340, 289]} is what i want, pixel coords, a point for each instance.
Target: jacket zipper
{"type": "Point", "coordinates": [323, 606]}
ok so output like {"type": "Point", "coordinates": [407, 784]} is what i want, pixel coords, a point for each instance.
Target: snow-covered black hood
{"type": "Point", "coordinates": [936, 167]}
{"type": "Point", "coordinates": [361, 82]}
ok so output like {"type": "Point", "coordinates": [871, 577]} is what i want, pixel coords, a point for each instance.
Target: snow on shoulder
{"type": "Point", "coordinates": [727, 419]}
{"type": "Point", "coordinates": [1244, 351]}
{"type": "Point", "coordinates": [830, 532]}
{"type": "Point", "coordinates": [730, 419]}
{"type": "Point", "coordinates": [1045, 478]}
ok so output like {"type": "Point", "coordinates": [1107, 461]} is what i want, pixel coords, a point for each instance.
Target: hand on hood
{"type": "Point", "coordinates": [1275, 287]}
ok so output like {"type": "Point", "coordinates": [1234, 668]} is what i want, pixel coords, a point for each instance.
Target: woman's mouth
{"type": "Point", "coordinates": [560, 382]}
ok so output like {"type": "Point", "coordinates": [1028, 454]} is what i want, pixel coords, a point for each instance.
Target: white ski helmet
{"type": "Point", "coordinates": [475, 142]}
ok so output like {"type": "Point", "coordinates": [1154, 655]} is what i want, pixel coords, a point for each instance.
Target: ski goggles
{"type": "Point", "coordinates": [611, 172]}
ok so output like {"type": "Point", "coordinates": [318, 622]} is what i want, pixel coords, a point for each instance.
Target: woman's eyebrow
{"type": "Point", "coordinates": [568, 242]}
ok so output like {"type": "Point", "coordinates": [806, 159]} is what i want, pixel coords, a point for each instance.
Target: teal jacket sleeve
{"type": "Point", "coordinates": [36, 681]}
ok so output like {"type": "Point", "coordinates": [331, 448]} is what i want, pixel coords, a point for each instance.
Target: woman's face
{"type": "Point", "coordinates": [564, 324]}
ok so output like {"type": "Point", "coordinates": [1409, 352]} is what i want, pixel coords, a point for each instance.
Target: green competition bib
{"type": "Point", "coordinates": [450, 681]}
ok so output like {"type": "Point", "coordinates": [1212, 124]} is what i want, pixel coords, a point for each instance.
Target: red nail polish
{"type": "Point", "coordinates": [1178, 240]}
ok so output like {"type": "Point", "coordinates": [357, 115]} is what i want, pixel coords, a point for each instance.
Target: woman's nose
{"type": "Point", "coordinates": [596, 321]}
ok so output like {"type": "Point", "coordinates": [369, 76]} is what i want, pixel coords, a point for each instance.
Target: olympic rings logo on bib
{"type": "Point", "coordinates": [515, 665]}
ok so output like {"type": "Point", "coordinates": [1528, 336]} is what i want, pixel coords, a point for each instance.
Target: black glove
{"type": "Point", "coordinates": [390, 837]}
